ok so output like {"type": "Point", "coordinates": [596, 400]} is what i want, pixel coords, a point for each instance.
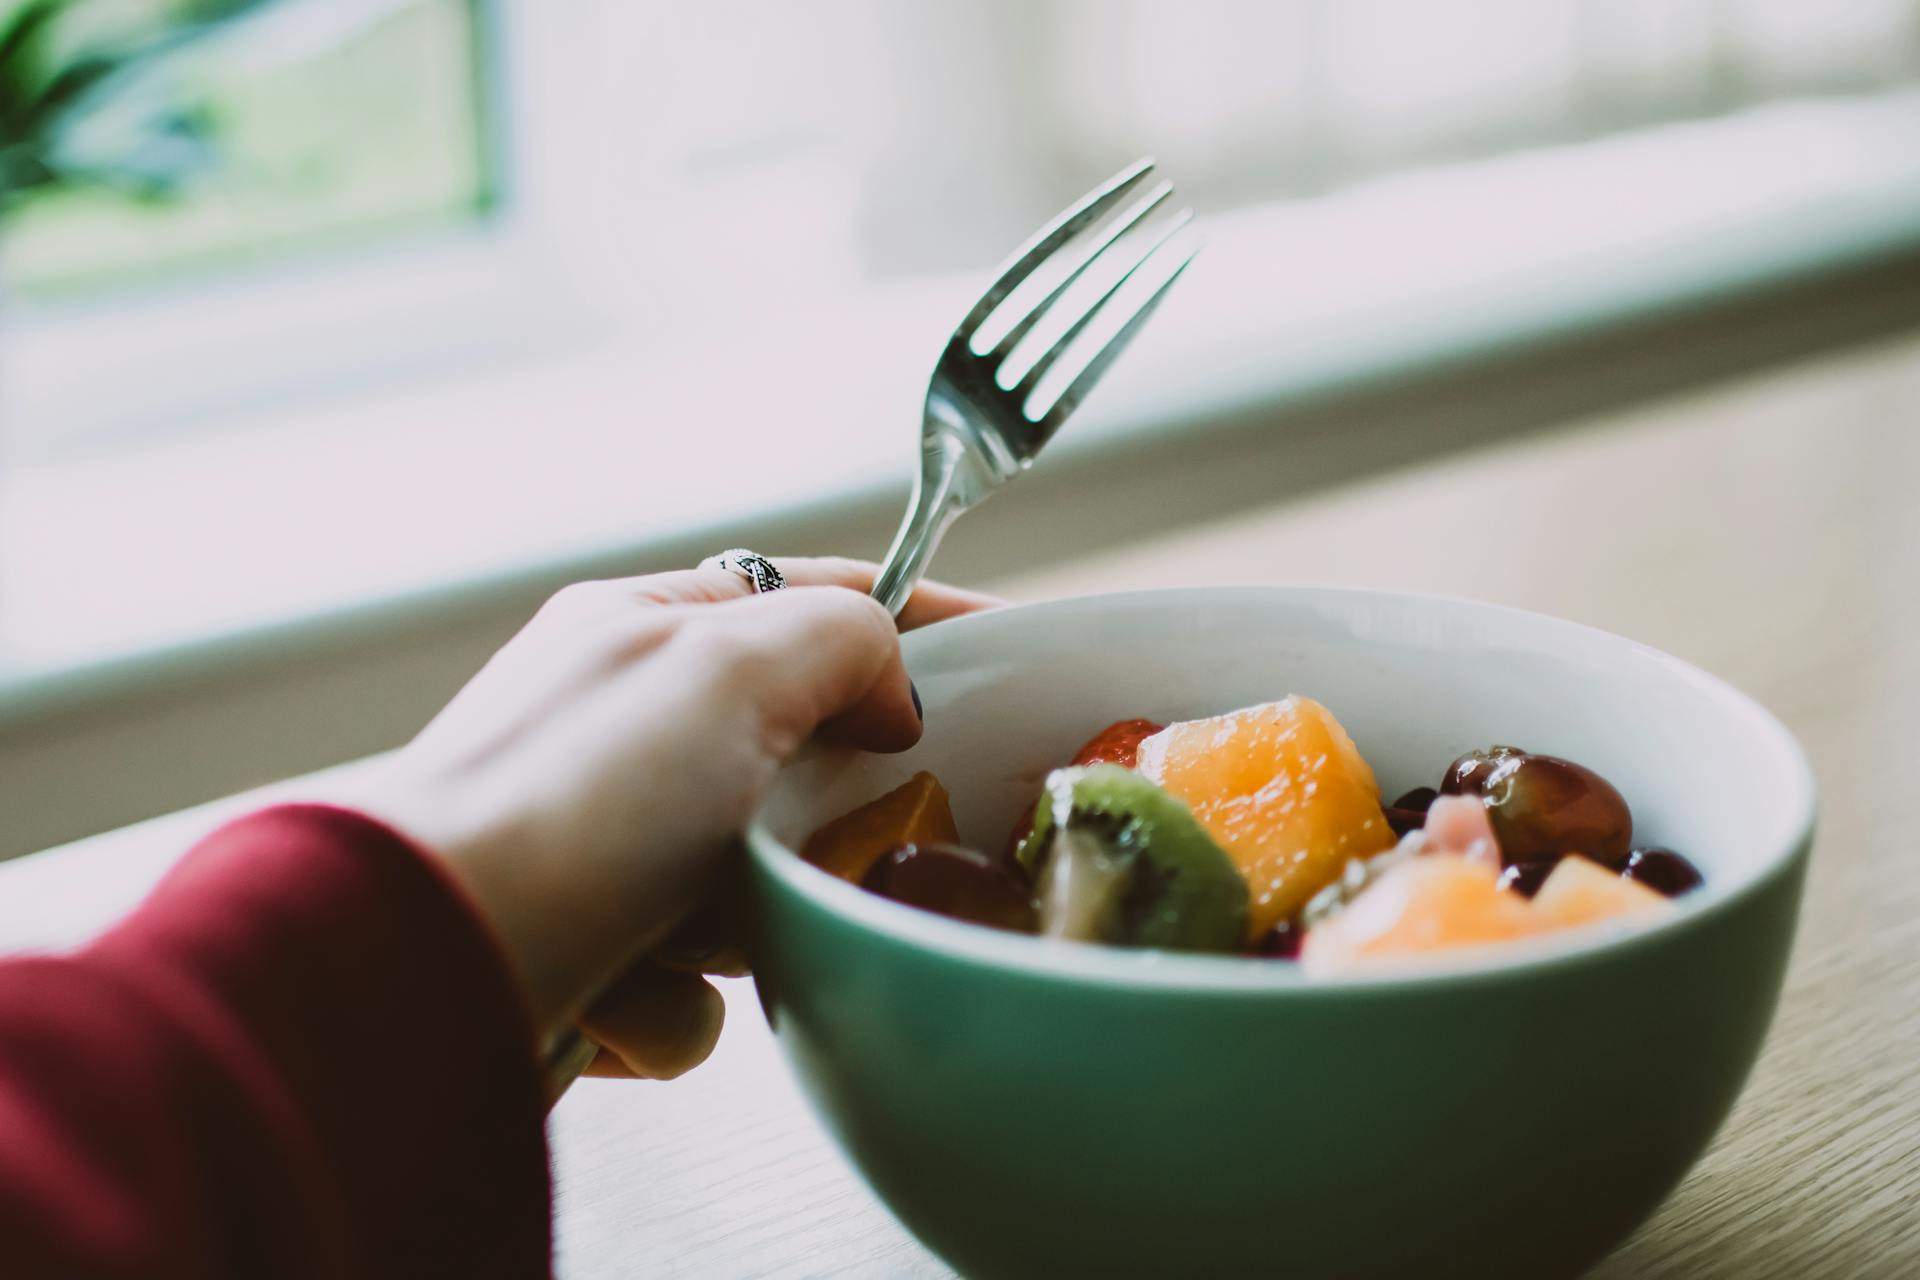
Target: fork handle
{"type": "Point", "coordinates": [565, 1061]}
{"type": "Point", "coordinates": [936, 502]}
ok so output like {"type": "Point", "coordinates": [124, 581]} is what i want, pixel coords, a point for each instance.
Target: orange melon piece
{"type": "Point", "coordinates": [1282, 789]}
{"type": "Point", "coordinates": [915, 812]}
{"type": "Point", "coordinates": [1579, 891]}
{"type": "Point", "coordinates": [1428, 903]}
{"type": "Point", "coordinates": [1439, 900]}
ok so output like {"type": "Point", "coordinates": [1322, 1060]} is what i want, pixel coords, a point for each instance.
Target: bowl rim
{"type": "Point", "coordinates": [1045, 958]}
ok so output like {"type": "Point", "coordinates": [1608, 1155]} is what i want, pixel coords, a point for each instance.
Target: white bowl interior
{"type": "Point", "coordinates": [1416, 680]}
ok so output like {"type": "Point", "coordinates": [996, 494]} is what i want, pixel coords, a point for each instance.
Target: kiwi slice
{"type": "Point", "coordinates": [1119, 860]}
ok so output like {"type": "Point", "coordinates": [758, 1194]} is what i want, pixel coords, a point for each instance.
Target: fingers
{"type": "Point", "coordinates": [726, 961]}
{"type": "Point", "coordinates": [709, 584]}
{"type": "Point", "coordinates": [931, 601]}
{"type": "Point", "coordinates": [809, 658]}
{"type": "Point", "coordinates": [654, 1024]}
{"type": "Point", "coordinates": [708, 940]}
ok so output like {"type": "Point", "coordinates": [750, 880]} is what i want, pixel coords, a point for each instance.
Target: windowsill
{"type": "Point", "coordinates": [120, 568]}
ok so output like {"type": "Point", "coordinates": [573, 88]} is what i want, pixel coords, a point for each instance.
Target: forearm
{"type": "Point", "coordinates": [302, 1056]}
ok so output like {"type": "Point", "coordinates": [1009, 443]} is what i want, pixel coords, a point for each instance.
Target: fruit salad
{"type": "Point", "coordinates": [1262, 831]}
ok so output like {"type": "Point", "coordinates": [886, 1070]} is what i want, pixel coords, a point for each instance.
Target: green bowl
{"type": "Point", "coordinates": [1033, 1108]}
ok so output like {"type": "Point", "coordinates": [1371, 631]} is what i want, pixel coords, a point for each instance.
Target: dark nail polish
{"type": "Point", "coordinates": [916, 701]}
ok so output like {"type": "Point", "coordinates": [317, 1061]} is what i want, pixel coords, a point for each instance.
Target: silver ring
{"type": "Point", "coordinates": [759, 571]}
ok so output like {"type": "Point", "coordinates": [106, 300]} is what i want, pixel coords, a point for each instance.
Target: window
{"type": "Point", "coordinates": [336, 122]}
{"type": "Point", "coordinates": [674, 163]}
{"type": "Point", "coordinates": [1263, 101]}
{"type": "Point", "coordinates": [478, 250]}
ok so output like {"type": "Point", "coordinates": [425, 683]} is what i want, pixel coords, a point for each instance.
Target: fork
{"type": "Point", "coordinates": [977, 434]}
{"type": "Point", "coordinates": [982, 426]}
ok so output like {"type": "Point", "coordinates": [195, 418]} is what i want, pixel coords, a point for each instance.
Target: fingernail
{"type": "Point", "coordinates": [915, 691]}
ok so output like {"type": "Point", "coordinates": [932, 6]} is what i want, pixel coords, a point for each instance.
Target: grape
{"type": "Point", "coordinates": [954, 881]}
{"type": "Point", "coordinates": [1468, 775]}
{"type": "Point", "coordinates": [1410, 810]}
{"type": "Point", "coordinates": [1662, 870]}
{"type": "Point", "coordinates": [1401, 821]}
{"type": "Point", "coordinates": [1420, 799]}
{"type": "Point", "coordinates": [1282, 942]}
{"type": "Point", "coordinates": [1543, 806]}
{"type": "Point", "coordinates": [1525, 878]}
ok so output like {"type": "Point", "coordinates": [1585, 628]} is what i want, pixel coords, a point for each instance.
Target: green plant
{"type": "Point", "coordinates": [81, 103]}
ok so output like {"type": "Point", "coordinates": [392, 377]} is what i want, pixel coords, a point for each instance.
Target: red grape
{"type": "Point", "coordinates": [1662, 870]}
{"type": "Point", "coordinates": [1467, 776]}
{"type": "Point", "coordinates": [1525, 878]}
{"type": "Point", "coordinates": [1410, 810]}
{"type": "Point", "coordinates": [1543, 806]}
{"type": "Point", "coordinates": [1282, 942]}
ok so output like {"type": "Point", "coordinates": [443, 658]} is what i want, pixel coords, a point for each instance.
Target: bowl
{"type": "Point", "coordinates": [1036, 1108]}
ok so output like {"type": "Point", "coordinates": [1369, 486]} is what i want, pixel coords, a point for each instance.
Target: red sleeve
{"type": "Point", "coordinates": [302, 1056]}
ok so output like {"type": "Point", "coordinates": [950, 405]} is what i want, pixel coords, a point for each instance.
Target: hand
{"type": "Point", "coordinates": [588, 787]}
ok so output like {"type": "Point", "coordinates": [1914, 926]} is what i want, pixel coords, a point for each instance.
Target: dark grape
{"type": "Point", "coordinates": [1525, 878]}
{"type": "Point", "coordinates": [1410, 810]}
{"type": "Point", "coordinates": [954, 881]}
{"type": "Point", "coordinates": [1543, 806]}
{"type": "Point", "coordinates": [1282, 942]}
{"type": "Point", "coordinates": [1401, 821]}
{"type": "Point", "coordinates": [1662, 870]}
{"type": "Point", "coordinates": [1468, 775]}
{"type": "Point", "coordinates": [1419, 799]}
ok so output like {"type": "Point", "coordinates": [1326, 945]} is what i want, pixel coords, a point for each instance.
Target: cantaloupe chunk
{"type": "Point", "coordinates": [915, 812]}
{"type": "Point", "coordinates": [1579, 891]}
{"type": "Point", "coordinates": [1435, 901]}
{"type": "Point", "coordinates": [1282, 789]}
{"type": "Point", "coordinates": [1429, 903]}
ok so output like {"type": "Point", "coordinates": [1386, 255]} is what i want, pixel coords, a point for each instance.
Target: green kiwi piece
{"type": "Point", "coordinates": [1119, 860]}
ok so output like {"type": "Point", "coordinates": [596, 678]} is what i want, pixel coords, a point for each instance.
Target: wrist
{"type": "Point", "coordinates": [501, 863]}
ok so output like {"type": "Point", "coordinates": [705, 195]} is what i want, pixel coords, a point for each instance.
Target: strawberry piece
{"type": "Point", "coordinates": [1118, 743]}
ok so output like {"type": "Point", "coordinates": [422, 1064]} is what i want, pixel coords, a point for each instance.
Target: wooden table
{"type": "Point", "coordinates": [1769, 531]}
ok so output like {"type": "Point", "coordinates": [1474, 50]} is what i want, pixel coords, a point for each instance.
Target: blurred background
{"type": "Point", "coordinates": [333, 333]}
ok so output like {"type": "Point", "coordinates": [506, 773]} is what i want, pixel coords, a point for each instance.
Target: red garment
{"type": "Point", "coordinates": [302, 1056]}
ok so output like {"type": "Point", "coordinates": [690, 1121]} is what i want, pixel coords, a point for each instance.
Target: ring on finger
{"type": "Point", "coordinates": [760, 572]}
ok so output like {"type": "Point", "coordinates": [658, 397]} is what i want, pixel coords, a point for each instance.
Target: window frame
{"type": "Point", "coordinates": [192, 350]}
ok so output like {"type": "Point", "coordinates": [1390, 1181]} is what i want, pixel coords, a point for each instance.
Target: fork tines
{"type": "Point", "coordinates": [1099, 270]}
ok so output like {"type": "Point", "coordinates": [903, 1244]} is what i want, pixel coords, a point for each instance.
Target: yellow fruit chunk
{"type": "Point", "coordinates": [1579, 891]}
{"type": "Point", "coordinates": [1428, 903]}
{"type": "Point", "coordinates": [915, 812]}
{"type": "Point", "coordinates": [1282, 789]}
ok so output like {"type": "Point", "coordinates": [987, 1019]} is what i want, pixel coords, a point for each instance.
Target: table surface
{"type": "Point", "coordinates": [1766, 530]}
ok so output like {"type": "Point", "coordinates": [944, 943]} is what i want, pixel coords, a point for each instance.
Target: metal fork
{"type": "Point", "coordinates": [976, 433]}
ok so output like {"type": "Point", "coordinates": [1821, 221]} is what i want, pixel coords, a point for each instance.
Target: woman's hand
{"type": "Point", "coordinates": [589, 785]}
